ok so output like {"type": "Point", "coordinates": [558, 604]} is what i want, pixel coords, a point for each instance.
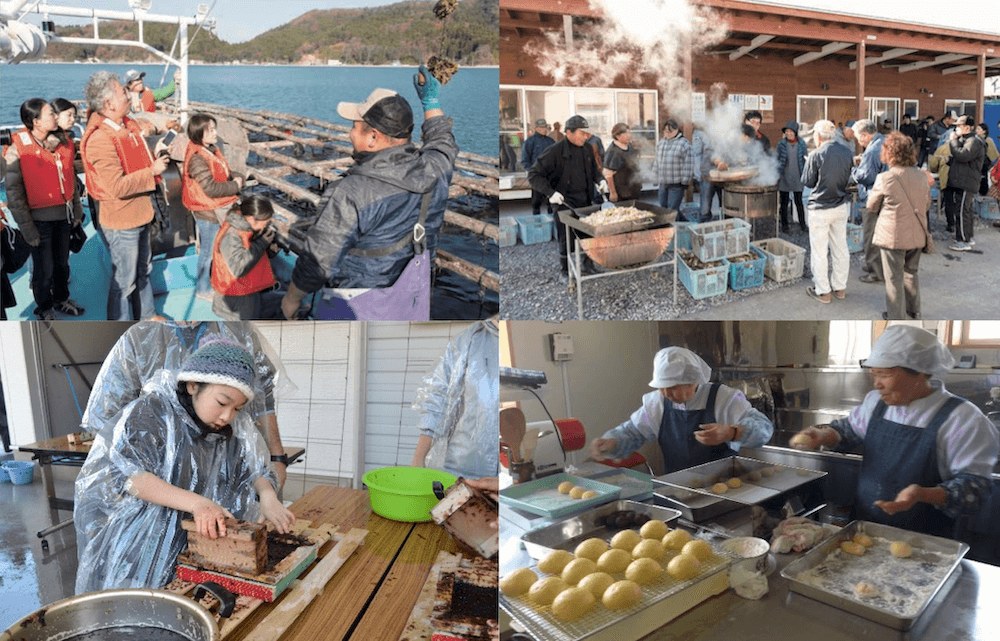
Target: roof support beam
{"type": "Point", "coordinates": [833, 47]}
{"type": "Point", "coordinates": [859, 91]}
{"type": "Point", "coordinates": [948, 57]}
{"type": "Point", "coordinates": [886, 56]}
{"type": "Point", "coordinates": [981, 88]}
{"type": "Point", "coordinates": [756, 42]}
{"type": "Point", "coordinates": [568, 30]}
{"type": "Point", "coordinates": [992, 62]}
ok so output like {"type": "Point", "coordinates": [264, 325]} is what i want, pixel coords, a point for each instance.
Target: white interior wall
{"type": "Point", "coordinates": [607, 376]}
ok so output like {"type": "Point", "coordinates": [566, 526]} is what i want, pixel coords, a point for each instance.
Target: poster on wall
{"type": "Point", "coordinates": [750, 103]}
{"type": "Point", "coordinates": [736, 99]}
{"type": "Point", "coordinates": [766, 103]}
{"type": "Point", "coordinates": [697, 107]}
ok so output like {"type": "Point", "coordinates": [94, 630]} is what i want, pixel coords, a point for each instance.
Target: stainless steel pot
{"type": "Point", "coordinates": [113, 615]}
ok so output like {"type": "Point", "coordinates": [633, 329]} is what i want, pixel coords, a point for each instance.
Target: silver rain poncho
{"type": "Point", "coordinates": [149, 346]}
{"type": "Point", "coordinates": [124, 541]}
{"type": "Point", "coordinates": [459, 402]}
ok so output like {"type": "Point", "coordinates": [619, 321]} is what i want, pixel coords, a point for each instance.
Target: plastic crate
{"type": "Point", "coordinates": [785, 260]}
{"type": "Point", "coordinates": [703, 283]}
{"type": "Point", "coordinates": [691, 211]}
{"type": "Point", "coordinates": [535, 229]}
{"type": "Point", "coordinates": [747, 274]}
{"type": "Point", "coordinates": [720, 238]}
{"type": "Point", "coordinates": [682, 236]}
{"type": "Point", "coordinates": [988, 208]}
{"type": "Point", "coordinates": [508, 231]}
{"type": "Point", "coordinates": [855, 238]}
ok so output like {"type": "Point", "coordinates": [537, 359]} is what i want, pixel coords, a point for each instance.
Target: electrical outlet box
{"type": "Point", "coordinates": [967, 362]}
{"type": "Point", "coordinates": [560, 347]}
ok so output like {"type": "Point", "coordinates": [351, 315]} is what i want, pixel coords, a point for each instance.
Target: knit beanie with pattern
{"type": "Point", "coordinates": [220, 361]}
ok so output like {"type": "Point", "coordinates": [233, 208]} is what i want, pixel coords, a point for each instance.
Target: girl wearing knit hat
{"type": "Point", "coordinates": [184, 448]}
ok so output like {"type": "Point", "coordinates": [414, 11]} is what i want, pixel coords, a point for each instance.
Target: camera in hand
{"type": "Point", "coordinates": [5, 137]}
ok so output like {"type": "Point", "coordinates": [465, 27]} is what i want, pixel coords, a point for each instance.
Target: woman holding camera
{"type": "Point", "coordinates": [42, 196]}
{"type": "Point", "coordinates": [210, 188]}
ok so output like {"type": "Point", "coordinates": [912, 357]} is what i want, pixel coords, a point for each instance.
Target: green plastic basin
{"type": "Point", "coordinates": [405, 493]}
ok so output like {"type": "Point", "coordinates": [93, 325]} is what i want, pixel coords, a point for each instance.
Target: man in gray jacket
{"type": "Point", "coordinates": [377, 232]}
{"type": "Point", "coordinates": [964, 175]}
{"type": "Point", "coordinates": [827, 170]}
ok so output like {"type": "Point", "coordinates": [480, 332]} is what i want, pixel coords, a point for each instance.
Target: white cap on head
{"type": "Point", "coordinates": [678, 366]}
{"type": "Point", "coordinates": [910, 347]}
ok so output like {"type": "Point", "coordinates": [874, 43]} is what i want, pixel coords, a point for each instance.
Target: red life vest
{"type": "Point", "coordinates": [129, 143]}
{"type": "Point", "coordinates": [48, 175]}
{"type": "Point", "coordinates": [193, 196]}
{"type": "Point", "coordinates": [225, 282]}
{"type": "Point", "coordinates": [147, 100]}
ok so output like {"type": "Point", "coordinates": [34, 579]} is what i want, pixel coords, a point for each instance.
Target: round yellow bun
{"type": "Point", "coordinates": [683, 567]}
{"type": "Point", "coordinates": [591, 549]}
{"type": "Point", "coordinates": [544, 591]}
{"type": "Point", "coordinates": [643, 571]}
{"type": "Point", "coordinates": [577, 569]}
{"type": "Point", "coordinates": [653, 530]}
{"type": "Point", "coordinates": [625, 540]}
{"type": "Point", "coordinates": [614, 561]}
{"type": "Point", "coordinates": [565, 487]}
{"type": "Point", "coordinates": [800, 439]}
{"type": "Point", "coordinates": [597, 583]}
{"type": "Point", "coordinates": [734, 483]}
{"type": "Point", "coordinates": [555, 561]}
{"type": "Point", "coordinates": [853, 548]}
{"type": "Point", "coordinates": [577, 492]}
{"type": "Point", "coordinates": [697, 548]}
{"type": "Point", "coordinates": [865, 590]}
{"type": "Point", "coordinates": [863, 539]}
{"type": "Point", "coordinates": [676, 539]}
{"type": "Point", "coordinates": [518, 582]}
{"type": "Point", "coordinates": [572, 604]}
{"type": "Point", "coordinates": [589, 494]}
{"type": "Point", "coordinates": [900, 549]}
{"type": "Point", "coordinates": [621, 595]}
{"type": "Point", "coordinates": [648, 549]}
{"type": "Point", "coordinates": [720, 488]}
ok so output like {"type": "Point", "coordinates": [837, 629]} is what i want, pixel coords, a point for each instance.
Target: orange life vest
{"type": "Point", "coordinates": [51, 172]}
{"type": "Point", "coordinates": [225, 282]}
{"type": "Point", "coordinates": [130, 144]}
{"type": "Point", "coordinates": [147, 100]}
{"type": "Point", "coordinates": [193, 196]}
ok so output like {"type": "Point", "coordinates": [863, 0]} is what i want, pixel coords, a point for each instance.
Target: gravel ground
{"type": "Point", "coordinates": [533, 288]}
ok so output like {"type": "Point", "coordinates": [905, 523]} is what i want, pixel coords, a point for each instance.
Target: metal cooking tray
{"type": "Point", "coordinates": [760, 481]}
{"type": "Point", "coordinates": [933, 561]}
{"type": "Point", "coordinates": [661, 217]}
{"type": "Point", "coordinates": [568, 533]}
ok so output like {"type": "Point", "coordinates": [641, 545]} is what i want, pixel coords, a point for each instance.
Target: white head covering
{"type": "Point", "coordinates": [678, 366]}
{"type": "Point", "coordinates": [910, 347]}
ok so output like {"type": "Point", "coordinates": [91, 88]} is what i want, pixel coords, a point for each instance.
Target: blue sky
{"type": "Point", "coordinates": [238, 20]}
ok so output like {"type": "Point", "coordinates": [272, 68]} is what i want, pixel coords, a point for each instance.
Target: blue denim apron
{"type": "Point", "coordinates": [896, 456]}
{"type": "Point", "coordinates": [677, 442]}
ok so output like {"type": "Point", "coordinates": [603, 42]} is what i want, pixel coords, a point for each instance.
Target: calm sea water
{"type": "Point", "coordinates": [313, 92]}
{"type": "Point", "coordinates": [307, 91]}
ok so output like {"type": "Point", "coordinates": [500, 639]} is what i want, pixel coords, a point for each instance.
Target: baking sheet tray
{"type": "Point", "coordinates": [542, 497]}
{"type": "Point", "coordinates": [602, 623]}
{"type": "Point", "coordinates": [568, 533]}
{"type": "Point", "coordinates": [760, 480]}
{"type": "Point", "coordinates": [635, 486]}
{"type": "Point", "coordinates": [905, 586]}
{"type": "Point", "coordinates": [661, 217]}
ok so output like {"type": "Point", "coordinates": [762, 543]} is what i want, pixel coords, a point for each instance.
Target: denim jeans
{"type": "Point", "coordinates": [707, 191]}
{"type": "Point", "coordinates": [130, 296]}
{"type": "Point", "coordinates": [206, 241]}
{"type": "Point", "coordinates": [671, 197]}
{"type": "Point", "coordinates": [50, 264]}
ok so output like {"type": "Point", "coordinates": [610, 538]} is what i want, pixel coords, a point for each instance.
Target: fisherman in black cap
{"type": "Point", "coordinates": [791, 154]}
{"type": "Point", "coordinates": [532, 149]}
{"type": "Point", "coordinates": [374, 240]}
{"type": "Point", "coordinates": [566, 173]}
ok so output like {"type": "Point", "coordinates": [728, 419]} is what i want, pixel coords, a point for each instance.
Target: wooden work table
{"type": "Point", "coordinates": [372, 595]}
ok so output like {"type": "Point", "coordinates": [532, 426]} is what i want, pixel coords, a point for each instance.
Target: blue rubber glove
{"type": "Point", "coordinates": [429, 91]}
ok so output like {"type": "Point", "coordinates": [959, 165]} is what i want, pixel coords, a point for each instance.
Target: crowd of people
{"type": "Point", "coordinates": [367, 256]}
{"type": "Point", "coordinates": [884, 163]}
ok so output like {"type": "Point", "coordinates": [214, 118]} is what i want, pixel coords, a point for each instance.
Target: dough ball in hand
{"type": "Point", "coordinates": [518, 582]}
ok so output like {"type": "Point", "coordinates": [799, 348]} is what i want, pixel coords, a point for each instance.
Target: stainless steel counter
{"type": "Point", "coordinates": [967, 611]}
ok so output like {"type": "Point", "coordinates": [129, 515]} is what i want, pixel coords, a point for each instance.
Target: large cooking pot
{"type": "Point", "coordinates": [125, 615]}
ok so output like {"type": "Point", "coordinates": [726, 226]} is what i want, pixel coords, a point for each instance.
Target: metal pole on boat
{"type": "Point", "coordinates": [184, 73]}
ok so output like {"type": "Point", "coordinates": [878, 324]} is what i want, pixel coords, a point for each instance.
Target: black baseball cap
{"type": "Point", "coordinates": [384, 110]}
{"type": "Point", "coordinates": [576, 122]}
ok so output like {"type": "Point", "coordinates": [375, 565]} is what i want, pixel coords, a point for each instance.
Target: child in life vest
{"type": "Point", "coordinates": [241, 269]}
